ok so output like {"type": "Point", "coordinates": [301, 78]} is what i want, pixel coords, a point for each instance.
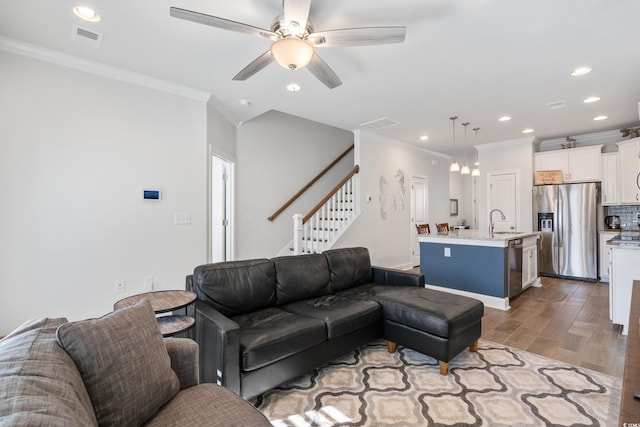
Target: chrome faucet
{"type": "Point", "coordinates": [491, 225]}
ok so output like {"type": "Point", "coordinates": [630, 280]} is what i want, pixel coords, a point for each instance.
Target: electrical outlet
{"type": "Point", "coordinates": [148, 283]}
{"type": "Point", "coordinates": [119, 286]}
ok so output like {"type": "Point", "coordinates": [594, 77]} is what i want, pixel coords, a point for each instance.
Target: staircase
{"type": "Point", "coordinates": [323, 226]}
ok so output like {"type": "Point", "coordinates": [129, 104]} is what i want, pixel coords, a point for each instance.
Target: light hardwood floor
{"type": "Point", "coordinates": [574, 328]}
{"type": "Point", "coordinates": [565, 320]}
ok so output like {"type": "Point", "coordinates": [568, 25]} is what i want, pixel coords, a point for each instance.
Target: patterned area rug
{"type": "Point", "coordinates": [497, 386]}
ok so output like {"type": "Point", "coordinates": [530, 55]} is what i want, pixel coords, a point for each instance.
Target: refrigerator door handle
{"type": "Point", "coordinates": [559, 220]}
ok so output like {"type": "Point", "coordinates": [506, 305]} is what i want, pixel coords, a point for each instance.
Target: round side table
{"type": "Point", "coordinates": [163, 302]}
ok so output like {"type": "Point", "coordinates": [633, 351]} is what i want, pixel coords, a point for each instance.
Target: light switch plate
{"type": "Point", "coordinates": [182, 218]}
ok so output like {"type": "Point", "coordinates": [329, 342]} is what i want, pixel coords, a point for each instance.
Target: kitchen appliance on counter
{"type": "Point", "coordinates": [566, 216]}
{"type": "Point", "coordinates": [612, 222]}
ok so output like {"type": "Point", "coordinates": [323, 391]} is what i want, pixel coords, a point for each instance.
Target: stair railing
{"type": "Point", "coordinates": [315, 231]}
{"type": "Point", "coordinates": [309, 184]}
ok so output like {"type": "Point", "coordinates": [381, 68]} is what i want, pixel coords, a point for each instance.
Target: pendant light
{"type": "Point", "coordinates": [476, 169]}
{"type": "Point", "coordinates": [465, 167]}
{"type": "Point", "coordinates": [455, 167]}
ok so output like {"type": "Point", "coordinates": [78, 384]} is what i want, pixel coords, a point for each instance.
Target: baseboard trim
{"type": "Point", "coordinates": [489, 301]}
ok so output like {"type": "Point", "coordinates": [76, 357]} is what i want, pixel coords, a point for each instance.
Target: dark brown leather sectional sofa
{"type": "Point", "coordinates": [262, 322]}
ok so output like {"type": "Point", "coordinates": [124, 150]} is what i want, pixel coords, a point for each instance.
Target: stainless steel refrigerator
{"type": "Point", "coordinates": [566, 216]}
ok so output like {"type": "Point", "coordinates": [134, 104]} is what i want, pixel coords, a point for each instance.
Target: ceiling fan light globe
{"type": "Point", "coordinates": [292, 53]}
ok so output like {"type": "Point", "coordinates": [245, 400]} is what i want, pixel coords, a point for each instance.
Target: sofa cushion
{"type": "Point", "coordinates": [340, 315]}
{"type": "Point", "coordinates": [271, 334]}
{"type": "Point", "coordinates": [349, 267]}
{"type": "Point", "coordinates": [301, 277]}
{"type": "Point", "coordinates": [39, 383]}
{"type": "Point", "coordinates": [236, 287]}
{"type": "Point", "coordinates": [124, 364]}
{"type": "Point", "coordinates": [208, 405]}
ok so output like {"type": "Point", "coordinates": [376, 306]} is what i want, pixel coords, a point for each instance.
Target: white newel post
{"type": "Point", "coordinates": [297, 233]}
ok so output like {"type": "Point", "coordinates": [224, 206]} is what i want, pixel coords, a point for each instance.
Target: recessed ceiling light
{"type": "Point", "coordinates": [528, 130]}
{"type": "Point", "coordinates": [424, 138]}
{"type": "Point", "coordinates": [504, 119]}
{"type": "Point", "coordinates": [293, 87]}
{"type": "Point", "coordinates": [581, 71]}
{"type": "Point", "coordinates": [591, 99]}
{"type": "Point", "coordinates": [244, 102]}
{"type": "Point", "coordinates": [86, 14]}
{"type": "Point", "coordinates": [597, 118]}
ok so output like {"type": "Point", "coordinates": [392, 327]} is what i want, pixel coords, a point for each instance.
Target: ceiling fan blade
{"type": "Point", "coordinates": [323, 72]}
{"type": "Point", "coordinates": [258, 64]}
{"type": "Point", "coordinates": [296, 14]}
{"type": "Point", "coordinates": [364, 36]}
{"type": "Point", "coordinates": [225, 24]}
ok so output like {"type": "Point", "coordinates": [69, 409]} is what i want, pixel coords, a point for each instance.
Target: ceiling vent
{"type": "Point", "coordinates": [557, 104]}
{"type": "Point", "coordinates": [86, 37]}
{"type": "Point", "coordinates": [379, 123]}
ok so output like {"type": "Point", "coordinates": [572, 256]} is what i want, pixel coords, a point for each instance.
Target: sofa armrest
{"type": "Point", "coordinates": [390, 276]}
{"type": "Point", "coordinates": [184, 360]}
{"type": "Point", "coordinates": [219, 341]}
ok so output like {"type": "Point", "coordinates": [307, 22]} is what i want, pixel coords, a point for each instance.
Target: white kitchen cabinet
{"type": "Point", "coordinates": [609, 179]}
{"type": "Point", "coordinates": [529, 261]}
{"type": "Point", "coordinates": [624, 262]}
{"type": "Point", "coordinates": [582, 164]}
{"type": "Point", "coordinates": [629, 168]}
{"type": "Point", "coordinates": [604, 254]}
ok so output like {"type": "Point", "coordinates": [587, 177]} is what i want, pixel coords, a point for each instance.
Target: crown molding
{"type": "Point", "coordinates": [55, 57]}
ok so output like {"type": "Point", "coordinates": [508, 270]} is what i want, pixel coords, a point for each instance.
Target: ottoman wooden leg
{"type": "Point", "coordinates": [391, 347]}
{"type": "Point", "coordinates": [474, 346]}
{"type": "Point", "coordinates": [444, 368]}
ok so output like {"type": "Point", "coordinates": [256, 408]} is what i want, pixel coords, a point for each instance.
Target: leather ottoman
{"type": "Point", "coordinates": [438, 324]}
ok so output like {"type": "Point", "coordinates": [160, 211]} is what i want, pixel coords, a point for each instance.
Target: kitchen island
{"type": "Point", "coordinates": [491, 268]}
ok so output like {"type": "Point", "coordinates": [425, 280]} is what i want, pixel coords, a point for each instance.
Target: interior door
{"type": "Point", "coordinates": [502, 195]}
{"type": "Point", "coordinates": [419, 214]}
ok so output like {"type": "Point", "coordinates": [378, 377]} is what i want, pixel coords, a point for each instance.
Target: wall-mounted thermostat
{"type": "Point", "coordinates": [151, 194]}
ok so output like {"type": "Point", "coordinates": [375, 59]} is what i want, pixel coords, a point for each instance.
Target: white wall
{"type": "Point", "coordinates": [277, 155]}
{"type": "Point", "coordinates": [389, 240]}
{"type": "Point", "coordinates": [515, 154]}
{"type": "Point", "coordinates": [75, 152]}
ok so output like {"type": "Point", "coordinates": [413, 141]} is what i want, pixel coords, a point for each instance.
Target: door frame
{"type": "Point", "coordinates": [229, 192]}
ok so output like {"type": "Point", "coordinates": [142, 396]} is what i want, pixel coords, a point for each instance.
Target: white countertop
{"type": "Point", "coordinates": [475, 238]}
{"type": "Point", "coordinates": [626, 244]}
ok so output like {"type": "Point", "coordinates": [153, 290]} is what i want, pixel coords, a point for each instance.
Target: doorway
{"type": "Point", "coordinates": [419, 213]}
{"type": "Point", "coordinates": [221, 209]}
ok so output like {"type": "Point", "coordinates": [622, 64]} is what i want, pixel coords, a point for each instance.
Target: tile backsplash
{"type": "Point", "coordinates": [628, 215]}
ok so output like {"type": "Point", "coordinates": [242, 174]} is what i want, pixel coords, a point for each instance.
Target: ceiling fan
{"type": "Point", "coordinates": [294, 40]}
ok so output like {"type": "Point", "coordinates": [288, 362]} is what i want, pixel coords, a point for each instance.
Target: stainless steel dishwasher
{"type": "Point", "coordinates": [514, 263]}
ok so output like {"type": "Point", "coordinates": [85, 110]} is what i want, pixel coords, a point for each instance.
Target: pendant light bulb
{"type": "Point", "coordinates": [465, 168]}
{"type": "Point", "coordinates": [455, 167]}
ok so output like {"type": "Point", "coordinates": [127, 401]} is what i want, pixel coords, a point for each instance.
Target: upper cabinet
{"type": "Point", "coordinates": [577, 164]}
{"type": "Point", "coordinates": [609, 179]}
{"type": "Point", "coordinates": [629, 165]}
